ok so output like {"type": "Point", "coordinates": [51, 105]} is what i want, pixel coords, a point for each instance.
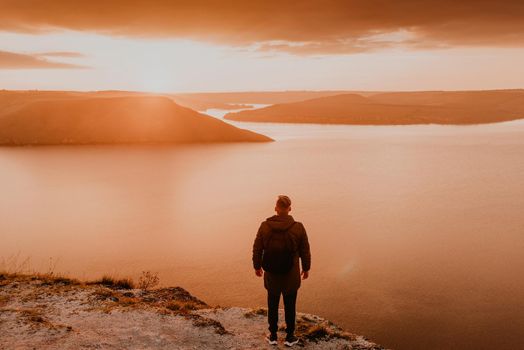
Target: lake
{"type": "Point", "coordinates": [417, 232]}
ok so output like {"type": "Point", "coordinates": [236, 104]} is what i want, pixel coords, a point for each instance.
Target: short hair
{"type": "Point", "coordinates": [283, 202]}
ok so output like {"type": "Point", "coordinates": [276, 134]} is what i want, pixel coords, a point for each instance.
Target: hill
{"type": "Point", "coordinates": [48, 118]}
{"type": "Point", "coordinates": [258, 97]}
{"type": "Point", "coordinates": [397, 108]}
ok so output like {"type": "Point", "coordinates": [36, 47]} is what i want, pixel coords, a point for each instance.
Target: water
{"type": "Point", "coordinates": [417, 232]}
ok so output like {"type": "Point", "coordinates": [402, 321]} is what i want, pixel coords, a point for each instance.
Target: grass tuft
{"type": "Point", "coordinates": [200, 321]}
{"type": "Point", "coordinates": [256, 312]}
{"type": "Point", "coordinates": [317, 332]}
{"type": "Point", "coordinates": [182, 306]}
{"type": "Point", "coordinates": [312, 330]}
{"type": "Point", "coordinates": [116, 283]}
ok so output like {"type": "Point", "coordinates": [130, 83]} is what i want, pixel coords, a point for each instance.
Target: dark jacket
{"type": "Point", "coordinates": [289, 282]}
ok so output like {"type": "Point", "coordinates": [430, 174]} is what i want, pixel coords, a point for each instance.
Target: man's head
{"type": "Point", "coordinates": [283, 206]}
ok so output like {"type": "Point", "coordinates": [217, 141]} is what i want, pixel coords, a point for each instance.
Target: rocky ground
{"type": "Point", "coordinates": [50, 312]}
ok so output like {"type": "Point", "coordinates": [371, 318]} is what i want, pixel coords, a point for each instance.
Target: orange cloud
{"type": "Point", "coordinates": [299, 27]}
{"type": "Point", "coordinates": [12, 60]}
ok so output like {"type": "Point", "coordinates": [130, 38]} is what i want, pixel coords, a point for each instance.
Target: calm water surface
{"type": "Point", "coordinates": [417, 232]}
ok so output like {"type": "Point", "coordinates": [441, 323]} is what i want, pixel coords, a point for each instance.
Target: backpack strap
{"type": "Point", "coordinates": [289, 238]}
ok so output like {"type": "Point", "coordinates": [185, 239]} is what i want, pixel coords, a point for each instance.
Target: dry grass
{"type": "Point", "coordinates": [172, 296]}
{"type": "Point", "coordinates": [115, 299]}
{"type": "Point", "coordinates": [116, 283]}
{"type": "Point", "coordinates": [315, 333]}
{"type": "Point", "coordinates": [19, 268]}
{"type": "Point", "coordinates": [44, 278]}
{"type": "Point", "coordinates": [15, 264]}
{"type": "Point", "coordinates": [51, 278]}
{"type": "Point", "coordinates": [182, 306]}
{"type": "Point", "coordinates": [256, 312]}
{"type": "Point", "coordinates": [148, 280]}
{"type": "Point", "coordinates": [200, 321]}
{"type": "Point", "coordinates": [312, 330]}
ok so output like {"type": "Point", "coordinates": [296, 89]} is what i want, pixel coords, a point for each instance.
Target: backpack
{"type": "Point", "coordinates": [279, 252]}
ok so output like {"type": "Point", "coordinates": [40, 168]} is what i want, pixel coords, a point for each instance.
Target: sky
{"type": "Point", "coordinates": [190, 46]}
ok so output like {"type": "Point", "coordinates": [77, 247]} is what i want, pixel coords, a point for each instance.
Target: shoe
{"type": "Point", "coordinates": [272, 339]}
{"type": "Point", "coordinates": [291, 340]}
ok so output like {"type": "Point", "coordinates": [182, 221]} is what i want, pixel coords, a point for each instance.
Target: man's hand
{"type": "Point", "coordinates": [259, 272]}
{"type": "Point", "coordinates": [305, 275]}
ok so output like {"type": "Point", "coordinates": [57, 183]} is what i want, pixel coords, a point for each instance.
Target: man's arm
{"type": "Point", "coordinates": [258, 249]}
{"type": "Point", "coordinates": [305, 254]}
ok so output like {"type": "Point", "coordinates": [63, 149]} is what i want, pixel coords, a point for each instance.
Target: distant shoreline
{"type": "Point", "coordinates": [396, 108]}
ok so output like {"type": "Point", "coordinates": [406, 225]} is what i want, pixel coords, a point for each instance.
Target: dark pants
{"type": "Point", "coordinates": [290, 301]}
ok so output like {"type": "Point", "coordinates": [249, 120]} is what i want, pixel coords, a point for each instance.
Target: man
{"type": "Point", "coordinates": [279, 244]}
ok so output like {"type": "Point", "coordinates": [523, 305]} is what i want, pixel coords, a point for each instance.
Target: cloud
{"type": "Point", "coordinates": [297, 27]}
{"type": "Point", "coordinates": [339, 46]}
{"type": "Point", "coordinates": [12, 60]}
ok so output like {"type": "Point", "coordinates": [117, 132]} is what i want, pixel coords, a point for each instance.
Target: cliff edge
{"type": "Point", "coordinates": [51, 312]}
